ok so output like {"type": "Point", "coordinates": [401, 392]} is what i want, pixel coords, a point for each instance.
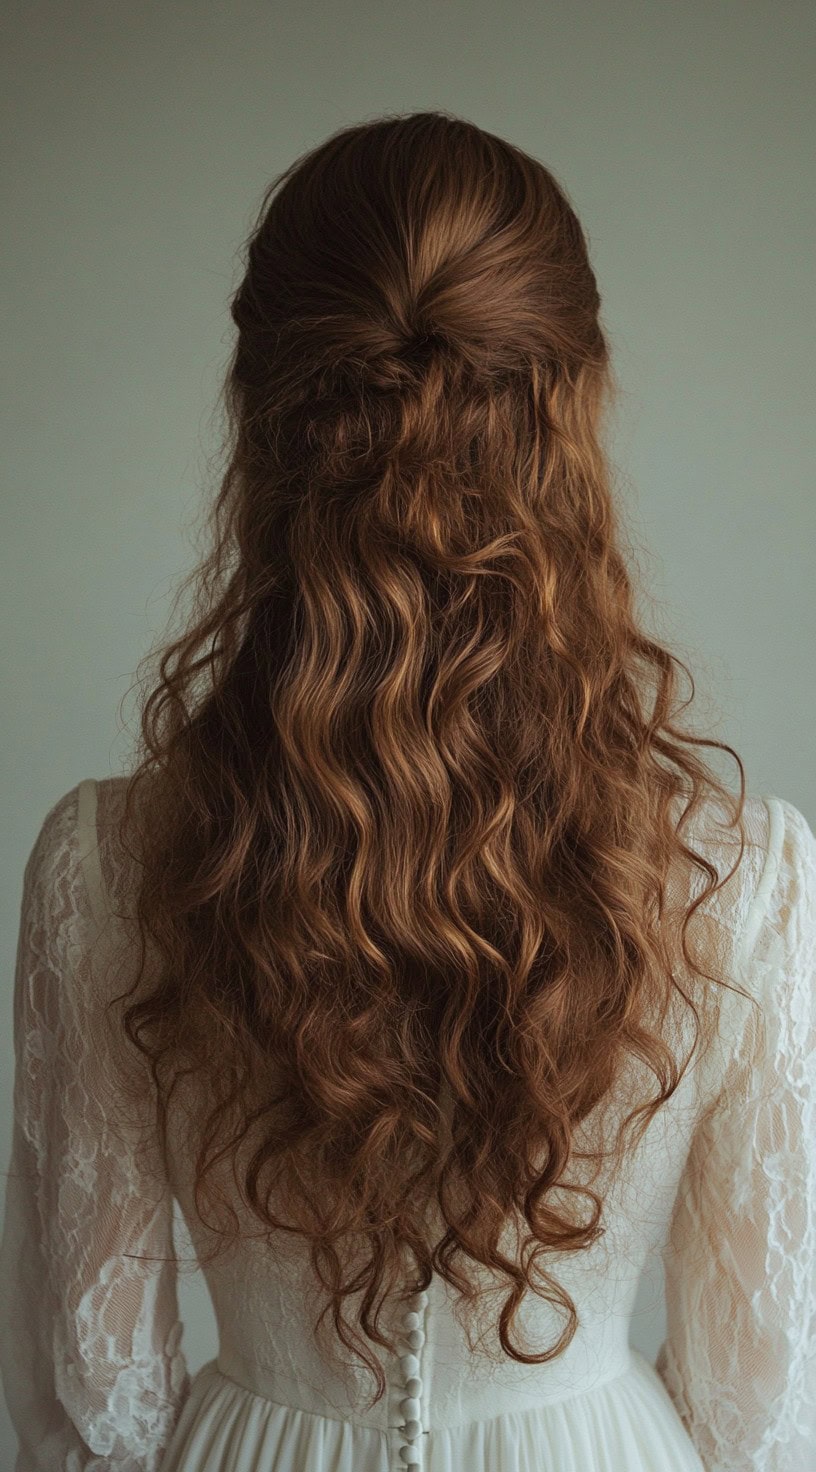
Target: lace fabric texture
{"type": "Point", "coordinates": [89, 1325]}
{"type": "Point", "coordinates": [739, 1359]}
{"type": "Point", "coordinates": [90, 1337]}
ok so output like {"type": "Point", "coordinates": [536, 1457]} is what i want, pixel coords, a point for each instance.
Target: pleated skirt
{"type": "Point", "coordinates": [627, 1424]}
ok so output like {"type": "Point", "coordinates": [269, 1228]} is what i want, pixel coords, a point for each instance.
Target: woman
{"type": "Point", "coordinates": [420, 957]}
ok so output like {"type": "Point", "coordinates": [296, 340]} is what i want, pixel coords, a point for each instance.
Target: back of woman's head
{"type": "Point", "coordinates": [410, 839]}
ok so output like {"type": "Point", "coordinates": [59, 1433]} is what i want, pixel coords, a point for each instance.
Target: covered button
{"type": "Point", "coordinates": [412, 1429]}
{"type": "Point", "coordinates": [409, 1364]}
{"type": "Point", "coordinates": [410, 1408]}
{"type": "Point", "coordinates": [416, 1338]}
{"type": "Point", "coordinates": [411, 1320]}
{"type": "Point", "coordinates": [413, 1386]}
{"type": "Point", "coordinates": [409, 1455]}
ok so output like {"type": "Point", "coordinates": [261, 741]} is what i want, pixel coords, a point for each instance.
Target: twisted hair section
{"type": "Point", "coordinates": [412, 778]}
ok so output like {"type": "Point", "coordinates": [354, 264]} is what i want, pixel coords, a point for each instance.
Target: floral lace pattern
{"type": "Point", "coordinates": [91, 1361]}
{"type": "Point", "coordinates": [739, 1359]}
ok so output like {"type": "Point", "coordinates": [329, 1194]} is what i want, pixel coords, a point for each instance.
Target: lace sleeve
{"type": "Point", "coordinates": [89, 1333]}
{"type": "Point", "coordinates": [739, 1359]}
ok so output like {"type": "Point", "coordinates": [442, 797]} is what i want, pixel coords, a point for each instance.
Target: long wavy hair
{"type": "Point", "coordinates": [409, 784]}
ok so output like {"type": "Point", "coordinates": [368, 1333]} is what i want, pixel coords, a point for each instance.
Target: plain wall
{"type": "Point", "coordinates": [138, 140]}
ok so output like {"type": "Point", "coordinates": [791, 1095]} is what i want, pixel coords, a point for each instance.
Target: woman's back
{"type": "Point", "coordinates": [726, 1171]}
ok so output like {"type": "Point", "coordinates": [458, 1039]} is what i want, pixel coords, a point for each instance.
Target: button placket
{"type": "Point", "coordinates": [413, 1334]}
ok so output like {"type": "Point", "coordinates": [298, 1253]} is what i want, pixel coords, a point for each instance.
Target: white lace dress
{"type": "Point", "coordinates": [723, 1184]}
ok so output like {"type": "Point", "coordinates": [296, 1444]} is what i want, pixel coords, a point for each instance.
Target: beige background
{"type": "Point", "coordinates": [137, 141]}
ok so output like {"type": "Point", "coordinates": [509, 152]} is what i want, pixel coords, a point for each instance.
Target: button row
{"type": "Point", "coordinates": [411, 1404]}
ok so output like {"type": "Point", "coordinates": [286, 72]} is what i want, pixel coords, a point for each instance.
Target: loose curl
{"type": "Point", "coordinates": [405, 808]}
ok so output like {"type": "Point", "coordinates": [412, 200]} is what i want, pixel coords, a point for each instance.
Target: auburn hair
{"type": "Point", "coordinates": [410, 784]}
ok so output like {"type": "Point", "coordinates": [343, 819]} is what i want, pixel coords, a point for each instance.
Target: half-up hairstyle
{"type": "Point", "coordinates": [410, 787]}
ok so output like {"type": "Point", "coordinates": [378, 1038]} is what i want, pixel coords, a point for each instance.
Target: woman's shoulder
{"type": "Point", "coordinates": [785, 898]}
{"type": "Point", "coordinates": [753, 861]}
{"type": "Point", "coordinates": [75, 858]}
